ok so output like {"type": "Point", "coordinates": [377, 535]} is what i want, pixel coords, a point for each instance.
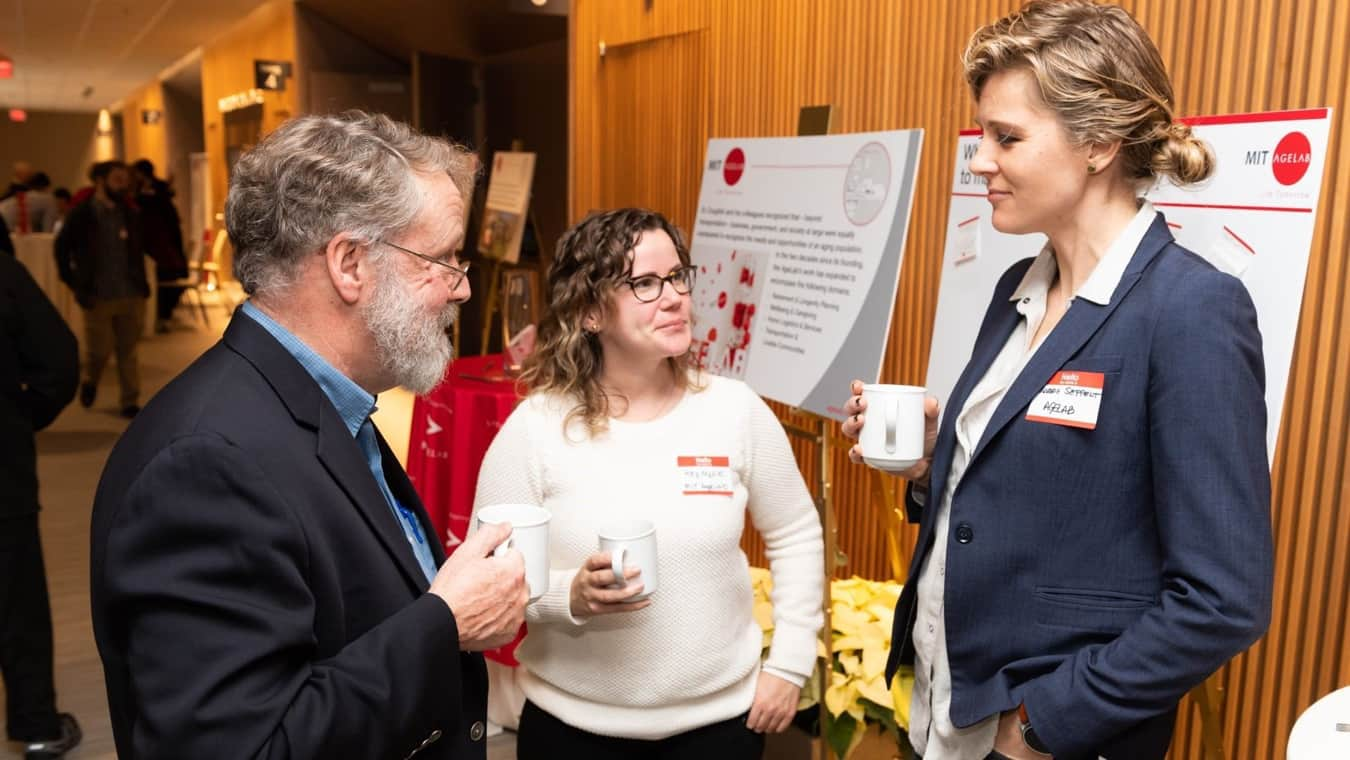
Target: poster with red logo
{"type": "Point", "coordinates": [797, 247]}
{"type": "Point", "coordinates": [1254, 218]}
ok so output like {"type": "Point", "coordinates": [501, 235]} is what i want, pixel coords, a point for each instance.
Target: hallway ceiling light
{"type": "Point", "coordinates": [6, 67]}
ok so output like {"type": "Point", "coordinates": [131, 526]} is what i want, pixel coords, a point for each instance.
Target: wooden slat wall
{"type": "Point", "coordinates": [267, 33]}
{"type": "Point", "coordinates": [681, 71]}
{"type": "Point", "coordinates": [141, 140]}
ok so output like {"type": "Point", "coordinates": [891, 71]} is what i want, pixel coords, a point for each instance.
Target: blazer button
{"type": "Point", "coordinates": [964, 533]}
{"type": "Point", "coordinates": [476, 731]}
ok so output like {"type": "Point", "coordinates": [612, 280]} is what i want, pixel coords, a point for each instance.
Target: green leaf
{"type": "Point", "coordinates": [875, 713]}
{"type": "Point", "coordinates": [839, 733]}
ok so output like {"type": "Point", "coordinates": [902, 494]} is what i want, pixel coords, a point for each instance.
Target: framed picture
{"type": "Point", "coordinates": [521, 308]}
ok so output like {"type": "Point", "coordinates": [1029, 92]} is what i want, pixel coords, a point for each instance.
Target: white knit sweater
{"type": "Point", "coordinates": [693, 657]}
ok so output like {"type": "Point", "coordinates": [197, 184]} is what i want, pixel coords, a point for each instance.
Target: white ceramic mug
{"type": "Point", "coordinates": [892, 434]}
{"type": "Point", "coordinates": [632, 542]}
{"type": "Point", "coordinates": [529, 536]}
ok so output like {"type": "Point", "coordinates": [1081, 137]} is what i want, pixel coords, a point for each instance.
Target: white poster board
{"type": "Point", "coordinates": [1254, 219]}
{"type": "Point", "coordinates": [798, 244]}
{"type": "Point", "coordinates": [508, 200]}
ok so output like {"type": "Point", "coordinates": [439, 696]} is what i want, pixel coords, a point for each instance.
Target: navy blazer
{"type": "Point", "coordinates": [1098, 575]}
{"type": "Point", "coordinates": [253, 594]}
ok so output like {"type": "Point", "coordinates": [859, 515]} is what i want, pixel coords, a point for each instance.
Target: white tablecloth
{"type": "Point", "coordinates": [35, 251]}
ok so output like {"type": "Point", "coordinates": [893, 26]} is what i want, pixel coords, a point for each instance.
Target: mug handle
{"type": "Point", "coordinates": [892, 412]}
{"type": "Point", "coordinates": [616, 559]}
{"type": "Point", "coordinates": [505, 546]}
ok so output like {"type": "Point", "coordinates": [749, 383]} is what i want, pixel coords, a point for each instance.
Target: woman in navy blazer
{"type": "Point", "coordinates": [1081, 566]}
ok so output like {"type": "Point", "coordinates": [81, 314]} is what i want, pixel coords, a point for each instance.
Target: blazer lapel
{"type": "Point", "coordinates": [342, 457]}
{"type": "Point", "coordinates": [993, 334]}
{"type": "Point", "coordinates": [1077, 326]}
{"type": "Point", "coordinates": [1002, 324]}
{"type": "Point", "coordinates": [336, 449]}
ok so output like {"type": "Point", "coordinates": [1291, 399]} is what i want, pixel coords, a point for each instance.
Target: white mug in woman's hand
{"type": "Point", "coordinates": [632, 542]}
{"type": "Point", "coordinates": [892, 434]}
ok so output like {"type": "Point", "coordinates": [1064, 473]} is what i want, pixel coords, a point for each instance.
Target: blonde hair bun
{"type": "Point", "coordinates": [1182, 157]}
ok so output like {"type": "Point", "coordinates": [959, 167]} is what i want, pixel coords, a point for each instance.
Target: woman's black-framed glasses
{"type": "Point", "coordinates": [648, 287]}
{"type": "Point", "coordinates": [457, 273]}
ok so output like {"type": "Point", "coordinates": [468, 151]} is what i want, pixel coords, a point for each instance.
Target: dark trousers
{"type": "Point", "coordinates": [166, 301]}
{"type": "Point", "coordinates": [26, 633]}
{"type": "Point", "coordinates": [544, 737]}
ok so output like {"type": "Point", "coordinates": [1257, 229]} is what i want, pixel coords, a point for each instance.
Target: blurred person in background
{"type": "Point", "coordinates": [23, 172]}
{"type": "Point", "coordinates": [62, 198]}
{"type": "Point", "coordinates": [39, 369]}
{"type": "Point", "coordinates": [163, 238]}
{"type": "Point", "coordinates": [100, 254]}
{"type": "Point", "coordinates": [32, 209]}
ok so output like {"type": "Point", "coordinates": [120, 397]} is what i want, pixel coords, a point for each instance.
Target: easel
{"type": "Point", "coordinates": [815, 120]}
{"type": "Point", "coordinates": [492, 302]}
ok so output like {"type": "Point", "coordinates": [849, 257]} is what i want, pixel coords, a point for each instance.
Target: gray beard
{"type": "Point", "coordinates": [414, 347]}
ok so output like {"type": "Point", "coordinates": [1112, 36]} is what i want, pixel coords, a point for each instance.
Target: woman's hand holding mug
{"type": "Point", "coordinates": [593, 592]}
{"type": "Point", "coordinates": [852, 428]}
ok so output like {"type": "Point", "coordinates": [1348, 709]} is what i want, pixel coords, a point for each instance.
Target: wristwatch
{"type": "Point", "coordinates": [1029, 736]}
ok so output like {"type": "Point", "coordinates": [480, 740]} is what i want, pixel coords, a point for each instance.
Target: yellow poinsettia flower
{"type": "Point", "coordinates": [842, 696]}
{"type": "Point", "coordinates": [763, 612]}
{"type": "Point", "coordinates": [846, 643]}
{"type": "Point", "coordinates": [861, 613]}
{"type": "Point", "coordinates": [851, 663]}
{"type": "Point", "coordinates": [902, 690]}
{"type": "Point", "coordinates": [874, 664]}
{"type": "Point", "coordinates": [875, 689]}
{"type": "Point", "coordinates": [846, 619]}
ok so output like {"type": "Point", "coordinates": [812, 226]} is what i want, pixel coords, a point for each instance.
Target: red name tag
{"type": "Point", "coordinates": [705, 475]}
{"type": "Point", "coordinates": [1071, 398]}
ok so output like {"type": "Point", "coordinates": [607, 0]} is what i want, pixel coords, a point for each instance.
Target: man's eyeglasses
{"type": "Point", "coordinates": [648, 287]}
{"type": "Point", "coordinates": [457, 273]}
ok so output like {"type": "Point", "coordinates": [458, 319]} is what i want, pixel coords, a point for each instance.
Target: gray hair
{"type": "Point", "coordinates": [320, 175]}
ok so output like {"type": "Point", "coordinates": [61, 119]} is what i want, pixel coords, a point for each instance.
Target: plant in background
{"type": "Point", "coordinates": [856, 697]}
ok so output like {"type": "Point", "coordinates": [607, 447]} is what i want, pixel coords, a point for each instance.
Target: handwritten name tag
{"type": "Point", "coordinates": [705, 476]}
{"type": "Point", "coordinates": [1070, 398]}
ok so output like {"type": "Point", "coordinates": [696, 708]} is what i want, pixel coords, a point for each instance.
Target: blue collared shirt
{"type": "Point", "coordinates": [354, 405]}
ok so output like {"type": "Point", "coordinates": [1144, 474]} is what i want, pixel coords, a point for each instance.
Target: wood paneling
{"type": "Point", "coordinates": [141, 140]}
{"type": "Point", "coordinates": [267, 33]}
{"type": "Point", "coordinates": [677, 72]}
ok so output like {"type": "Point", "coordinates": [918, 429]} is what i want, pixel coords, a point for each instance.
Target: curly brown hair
{"type": "Point", "coordinates": [591, 261]}
{"type": "Point", "coordinates": [1101, 74]}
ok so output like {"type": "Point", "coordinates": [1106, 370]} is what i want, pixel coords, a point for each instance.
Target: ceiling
{"type": "Point", "coordinates": [83, 55]}
{"type": "Point", "coordinates": [456, 28]}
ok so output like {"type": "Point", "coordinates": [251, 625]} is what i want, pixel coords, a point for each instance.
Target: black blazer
{"type": "Point", "coordinates": [253, 595]}
{"type": "Point", "coordinates": [39, 369]}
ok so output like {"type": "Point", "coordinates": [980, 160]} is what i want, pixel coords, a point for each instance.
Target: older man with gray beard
{"type": "Point", "coordinates": [266, 582]}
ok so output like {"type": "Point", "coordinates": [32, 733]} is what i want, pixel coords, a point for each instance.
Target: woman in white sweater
{"type": "Point", "coordinates": [616, 421]}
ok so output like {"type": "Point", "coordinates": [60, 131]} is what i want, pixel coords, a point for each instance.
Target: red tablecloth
{"type": "Point", "coordinates": [451, 429]}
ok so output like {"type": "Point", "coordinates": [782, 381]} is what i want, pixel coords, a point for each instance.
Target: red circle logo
{"type": "Point", "coordinates": [734, 166]}
{"type": "Point", "coordinates": [1292, 158]}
